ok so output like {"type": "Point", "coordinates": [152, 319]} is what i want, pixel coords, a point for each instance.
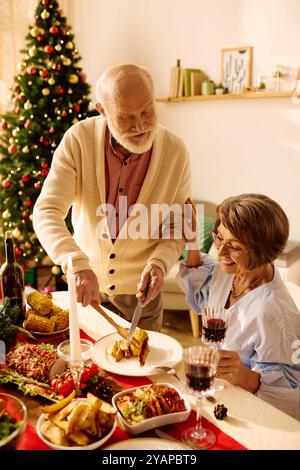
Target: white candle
{"type": "Point", "coordinates": [75, 349]}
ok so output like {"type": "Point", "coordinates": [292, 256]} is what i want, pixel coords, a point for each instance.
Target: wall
{"type": "Point", "coordinates": [236, 146]}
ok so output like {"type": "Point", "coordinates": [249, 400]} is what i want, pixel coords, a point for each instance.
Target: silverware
{"type": "Point", "coordinates": [135, 319]}
{"type": "Point", "coordinates": [168, 370]}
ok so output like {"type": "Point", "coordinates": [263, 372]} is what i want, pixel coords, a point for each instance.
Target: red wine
{"type": "Point", "coordinates": [214, 330]}
{"type": "Point", "coordinates": [199, 377]}
{"type": "Point", "coordinates": [12, 278]}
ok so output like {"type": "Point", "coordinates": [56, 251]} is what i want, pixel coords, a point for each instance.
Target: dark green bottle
{"type": "Point", "coordinates": [12, 278]}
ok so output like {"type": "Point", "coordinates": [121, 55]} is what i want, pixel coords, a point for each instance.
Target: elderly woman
{"type": "Point", "coordinates": [258, 354]}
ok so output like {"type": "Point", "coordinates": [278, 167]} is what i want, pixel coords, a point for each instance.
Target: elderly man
{"type": "Point", "coordinates": [123, 153]}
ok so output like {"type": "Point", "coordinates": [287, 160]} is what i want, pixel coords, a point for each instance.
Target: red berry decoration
{"type": "Point", "coordinates": [21, 98]}
{"type": "Point", "coordinates": [49, 50]}
{"type": "Point", "coordinates": [54, 30]}
{"type": "Point", "coordinates": [45, 2]}
{"type": "Point", "coordinates": [27, 125]}
{"type": "Point", "coordinates": [59, 68]}
{"type": "Point", "coordinates": [44, 173]}
{"type": "Point", "coordinates": [60, 90]}
{"type": "Point", "coordinates": [12, 149]}
{"type": "Point", "coordinates": [40, 37]}
{"type": "Point", "coordinates": [52, 130]}
{"type": "Point", "coordinates": [44, 73]}
{"type": "Point", "coordinates": [3, 125]}
{"type": "Point", "coordinates": [36, 20]}
{"type": "Point", "coordinates": [28, 203]}
{"type": "Point", "coordinates": [19, 252]}
{"type": "Point", "coordinates": [64, 113]}
{"type": "Point", "coordinates": [25, 214]}
{"type": "Point", "coordinates": [45, 165]}
{"type": "Point", "coordinates": [25, 178]}
{"type": "Point", "coordinates": [37, 185]}
{"type": "Point", "coordinates": [64, 32]}
{"type": "Point", "coordinates": [31, 70]}
{"type": "Point", "coordinates": [76, 108]}
{"type": "Point", "coordinates": [6, 183]}
{"type": "Point", "coordinates": [42, 139]}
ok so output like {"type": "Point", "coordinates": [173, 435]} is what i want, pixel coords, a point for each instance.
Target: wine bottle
{"type": "Point", "coordinates": [12, 278]}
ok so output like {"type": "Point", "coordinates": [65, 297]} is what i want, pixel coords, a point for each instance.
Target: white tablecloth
{"type": "Point", "coordinates": [251, 421]}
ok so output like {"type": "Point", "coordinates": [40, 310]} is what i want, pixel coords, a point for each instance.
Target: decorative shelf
{"type": "Point", "coordinates": [229, 96]}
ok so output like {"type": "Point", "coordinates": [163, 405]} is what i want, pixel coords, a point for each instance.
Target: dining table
{"type": "Point", "coordinates": [250, 424]}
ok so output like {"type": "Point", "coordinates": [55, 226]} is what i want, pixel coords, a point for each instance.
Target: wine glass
{"type": "Point", "coordinates": [200, 365]}
{"type": "Point", "coordinates": [76, 367]}
{"type": "Point", "coordinates": [214, 325]}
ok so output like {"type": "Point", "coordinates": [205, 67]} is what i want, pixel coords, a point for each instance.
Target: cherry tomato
{"type": "Point", "coordinates": [93, 369]}
{"type": "Point", "coordinates": [65, 388]}
{"type": "Point", "coordinates": [85, 376]}
{"type": "Point", "coordinates": [54, 384]}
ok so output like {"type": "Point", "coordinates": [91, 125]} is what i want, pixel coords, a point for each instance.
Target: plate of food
{"type": "Point", "coordinates": [77, 423]}
{"type": "Point", "coordinates": [151, 349]}
{"type": "Point", "coordinates": [150, 406]}
{"type": "Point", "coordinates": [44, 318]}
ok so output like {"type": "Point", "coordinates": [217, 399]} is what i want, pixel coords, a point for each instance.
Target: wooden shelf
{"type": "Point", "coordinates": [229, 96]}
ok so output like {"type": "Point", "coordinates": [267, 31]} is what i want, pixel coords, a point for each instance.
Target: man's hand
{"type": "Point", "coordinates": [87, 287]}
{"type": "Point", "coordinates": [151, 282]}
{"type": "Point", "coordinates": [231, 368]}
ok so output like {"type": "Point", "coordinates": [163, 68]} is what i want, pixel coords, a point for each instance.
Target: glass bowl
{"type": "Point", "coordinates": [16, 409]}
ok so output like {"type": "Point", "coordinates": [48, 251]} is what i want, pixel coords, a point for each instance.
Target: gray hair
{"type": "Point", "coordinates": [109, 83]}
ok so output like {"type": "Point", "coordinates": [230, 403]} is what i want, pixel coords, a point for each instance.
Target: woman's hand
{"type": "Point", "coordinates": [231, 369]}
{"type": "Point", "coordinates": [87, 287]}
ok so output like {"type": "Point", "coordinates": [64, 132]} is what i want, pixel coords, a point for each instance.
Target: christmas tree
{"type": "Point", "coordinates": [48, 96]}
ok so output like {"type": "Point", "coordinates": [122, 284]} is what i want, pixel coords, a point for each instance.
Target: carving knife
{"type": "Point", "coordinates": [135, 319]}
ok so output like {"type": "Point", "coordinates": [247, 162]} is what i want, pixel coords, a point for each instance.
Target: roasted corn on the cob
{"type": "Point", "coordinates": [61, 320]}
{"type": "Point", "coordinates": [40, 323]}
{"type": "Point", "coordinates": [40, 303]}
{"type": "Point", "coordinates": [138, 348]}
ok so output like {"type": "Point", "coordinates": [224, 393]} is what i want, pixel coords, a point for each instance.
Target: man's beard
{"type": "Point", "coordinates": [142, 144]}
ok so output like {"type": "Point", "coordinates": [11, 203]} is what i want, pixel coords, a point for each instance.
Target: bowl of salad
{"type": "Point", "coordinates": [13, 418]}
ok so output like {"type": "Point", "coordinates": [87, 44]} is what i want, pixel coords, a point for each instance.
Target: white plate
{"type": "Point", "coordinates": [163, 351]}
{"type": "Point", "coordinates": [150, 443]}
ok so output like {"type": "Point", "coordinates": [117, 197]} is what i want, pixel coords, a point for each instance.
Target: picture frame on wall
{"type": "Point", "coordinates": [236, 68]}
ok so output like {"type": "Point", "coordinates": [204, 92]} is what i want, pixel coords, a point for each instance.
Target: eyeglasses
{"type": "Point", "coordinates": [232, 250]}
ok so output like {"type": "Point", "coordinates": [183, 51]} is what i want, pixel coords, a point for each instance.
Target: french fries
{"type": "Point", "coordinates": [78, 421]}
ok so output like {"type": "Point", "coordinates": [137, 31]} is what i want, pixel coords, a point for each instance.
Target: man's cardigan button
{"type": "Point", "coordinates": [112, 287]}
{"type": "Point", "coordinates": [112, 255]}
{"type": "Point", "coordinates": [111, 271]}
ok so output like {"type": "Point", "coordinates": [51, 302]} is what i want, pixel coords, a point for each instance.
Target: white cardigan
{"type": "Point", "coordinates": [77, 179]}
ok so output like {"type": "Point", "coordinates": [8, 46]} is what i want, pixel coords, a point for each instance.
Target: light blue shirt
{"type": "Point", "coordinates": [264, 327]}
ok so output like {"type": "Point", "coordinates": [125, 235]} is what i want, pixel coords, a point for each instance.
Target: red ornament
{"type": "Point", "coordinates": [21, 98]}
{"type": "Point", "coordinates": [27, 125]}
{"type": "Point", "coordinates": [54, 30]}
{"type": "Point", "coordinates": [64, 113]}
{"type": "Point", "coordinates": [31, 70]}
{"type": "Point", "coordinates": [37, 185]}
{"type": "Point", "coordinates": [42, 139]}
{"type": "Point", "coordinates": [64, 32]}
{"type": "Point", "coordinates": [60, 90]}
{"type": "Point", "coordinates": [45, 172]}
{"type": "Point", "coordinates": [36, 20]}
{"type": "Point", "coordinates": [12, 149]}
{"type": "Point", "coordinates": [25, 178]}
{"type": "Point", "coordinates": [76, 108]}
{"type": "Point", "coordinates": [45, 2]}
{"type": "Point", "coordinates": [59, 68]}
{"type": "Point", "coordinates": [44, 73]}
{"type": "Point", "coordinates": [6, 183]}
{"type": "Point", "coordinates": [52, 130]}
{"type": "Point", "coordinates": [49, 50]}
{"type": "Point", "coordinates": [18, 251]}
{"type": "Point", "coordinates": [28, 203]}
{"type": "Point", "coordinates": [40, 37]}
{"type": "Point", "coordinates": [44, 165]}
{"type": "Point", "coordinates": [3, 125]}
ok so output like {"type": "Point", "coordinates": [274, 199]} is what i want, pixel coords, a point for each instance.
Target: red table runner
{"type": "Point", "coordinates": [31, 441]}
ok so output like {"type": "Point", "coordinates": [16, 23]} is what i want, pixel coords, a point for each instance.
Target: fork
{"type": "Point", "coordinates": [168, 370]}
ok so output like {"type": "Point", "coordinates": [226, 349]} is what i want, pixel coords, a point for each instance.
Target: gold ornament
{"type": "Point", "coordinates": [11, 140]}
{"type": "Point", "coordinates": [75, 120]}
{"type": "Point", "coordinates": [73, 78]}
{"type": "Point", "coordinates": [51, 81]}
{"type": "Point", "coordinates": [55, 270]}
{"type": "Point", "coordinates": [6, 214]}
{"type": "Point", "coordinates": [45, 91]}
{"type": "Point", "coordinates": [70, 91]}
{"type": "Point", "coordinates": [58, 47]}
{"type": "Point", "coordinates": [66, 61]}
{"type": "Point", "coordinates": [32, 51]}
{"type": "Point", "coordinates": [27, 245]}
{"type": "Point", "coordinates": [21, 67]}
{"type": "Point", "coordinates": [35, 31]}
{"type": "Point", "coordinates": [17, 234]}
{"type": "Point", "coordinates": [25, 149]}
{"type": "Point", "coordinates": [69, 45]}
{"type": "Point", "coordinates": [31, 217]}
{"type": "Point", "coordinates": [27, 105]}
{"type": "Point", "coordinates": [15, 131]}
{"type": "Point", "coordinates": [45, 14]}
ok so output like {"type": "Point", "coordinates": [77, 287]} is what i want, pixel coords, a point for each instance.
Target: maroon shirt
{"type": "Point", "coordinates": [124, 176]}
